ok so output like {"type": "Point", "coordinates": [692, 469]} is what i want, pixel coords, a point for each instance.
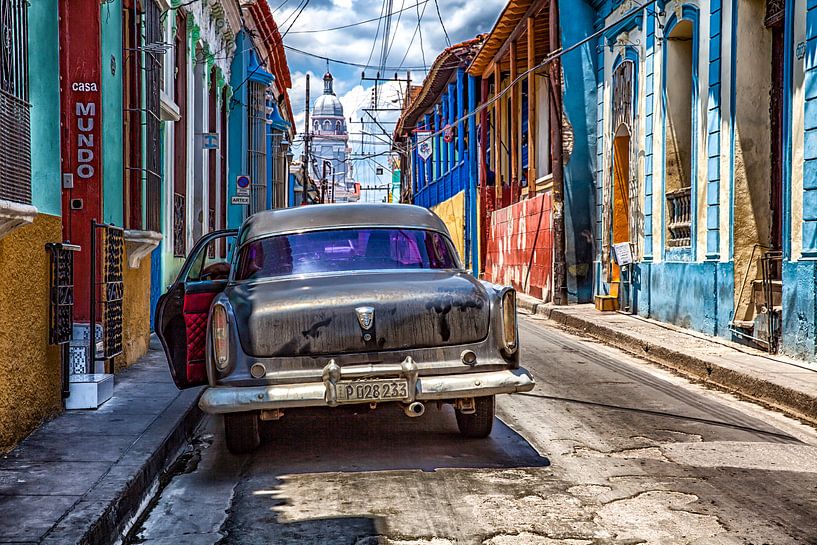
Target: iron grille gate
{"type": "Point", "coordinates": [61, 304]}
{"type": "Point", "coordinates": [110, 240]}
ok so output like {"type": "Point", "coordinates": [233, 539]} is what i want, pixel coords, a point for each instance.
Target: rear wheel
{"type": "Point", "coordinates": [241, 432]}
{"type": "Point", "coordinates": [478, 424]}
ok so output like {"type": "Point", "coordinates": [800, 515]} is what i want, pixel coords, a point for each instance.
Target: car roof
{"type": "Point", "coordinates": [338, 216]}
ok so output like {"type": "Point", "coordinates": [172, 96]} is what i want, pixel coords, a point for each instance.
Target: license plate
{"type": "Point", "coordinates": [372, 390]}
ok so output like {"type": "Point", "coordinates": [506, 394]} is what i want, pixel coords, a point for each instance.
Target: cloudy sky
{"type": "Point", "coordinates": [363, 44]}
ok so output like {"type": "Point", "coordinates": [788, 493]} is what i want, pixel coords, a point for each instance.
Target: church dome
{"type": "Point", "coordinates": [327, 104]}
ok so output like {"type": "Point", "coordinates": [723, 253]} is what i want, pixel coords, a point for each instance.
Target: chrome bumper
{"type": "Point", "coordinates": [232, 399]}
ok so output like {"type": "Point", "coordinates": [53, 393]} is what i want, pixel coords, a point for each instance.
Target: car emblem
{"type": "Point", "coordinates": [365, 315]}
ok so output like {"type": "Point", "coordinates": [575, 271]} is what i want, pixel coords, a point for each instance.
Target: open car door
{"type": "Point", "coordinates": [182, 312]}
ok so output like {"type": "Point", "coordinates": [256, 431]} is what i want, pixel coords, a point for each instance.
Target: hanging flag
{"type": "Point", "coordinates": [424, 144]}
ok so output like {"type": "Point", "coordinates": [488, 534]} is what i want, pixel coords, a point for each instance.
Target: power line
{"type": "Point", "coordinates": [420, 30]}
{"type": "Point", "coordinates": [282, 4]}
{"type": "Point", "coordinates": [396, 28]}
{"type": "Point", "coordinates": [361, 65]}
{"type": "Point", "coordinates": [413, 36]}
{"type": "Point", "coordinates": [377, 33]}
{"type": "Point", "coordinates": [440, 17]}
{"type": "Point", "coordinates": [384, 46]}
{"type": "Point", "coordinates": [350, 25]}
{"type": "Point", "coordinates": [558, 54]}
{"type": "Point", "coordinates": [304, 3]}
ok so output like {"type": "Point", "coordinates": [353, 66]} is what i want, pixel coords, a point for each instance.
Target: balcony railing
{"type": "Point", "coordinates": [444, 187]}
{"type": "Point", "coordinates": [679, 213]}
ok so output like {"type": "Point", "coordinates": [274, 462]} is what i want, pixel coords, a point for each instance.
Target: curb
{"type": "Point", "coordinates": [106, 512]}
{"type": "Point", "coordinates": [794, 402]}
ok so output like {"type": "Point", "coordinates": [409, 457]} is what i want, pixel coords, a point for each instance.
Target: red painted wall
{"type": "Point", "coordinates": [513, 246]}
{"type": "Point", "coordinates": [80, 122]}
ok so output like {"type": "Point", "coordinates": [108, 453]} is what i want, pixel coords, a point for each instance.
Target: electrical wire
{"type": "Point", "coordinates": [396, 28]}
{"type": "Point", "coordinates": [384, 42]}
{"type": "Point", "coordinates": [303, 6]}
{"type": "Point", "coordinates": [350, 25]}
{"type": "Point", "coordinates": [558, 54]}
{"type": "Point", "coordinates": [414, 36]}
{"type": "Point", "coordinates": [376, 34]}
{"type": "Point", "coordinates": [420, 29]}
{"type": "Point", "coordinates": [282, 4]}
{"type": "Point", "coordinates": [440, 17]}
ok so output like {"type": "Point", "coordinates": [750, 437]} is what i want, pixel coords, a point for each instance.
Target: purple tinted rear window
{"type": "Point", "coordinates": [345, 250]}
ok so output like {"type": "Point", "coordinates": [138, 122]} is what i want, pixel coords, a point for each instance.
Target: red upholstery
{"type": "Point", "coordinates": [196, 311]}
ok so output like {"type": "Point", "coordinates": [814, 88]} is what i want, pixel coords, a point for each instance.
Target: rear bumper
{"type": "Point", "coordinates": [231, 399]}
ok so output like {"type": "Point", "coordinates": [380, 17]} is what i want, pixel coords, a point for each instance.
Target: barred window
{"type": "Point", "coordinates": [15, 132]}
{"type": "Point", "coordinates": [257, 145]}
{"type": "Point", "coordinates": [154, 59]}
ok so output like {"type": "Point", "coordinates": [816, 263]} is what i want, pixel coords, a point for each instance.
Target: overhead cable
{"type": "Point", "coordinates": [558, 54]}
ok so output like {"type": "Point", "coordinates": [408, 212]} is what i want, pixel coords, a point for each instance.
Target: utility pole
{"type": "Point", "coordinates": [323, 181]}
{"type": "Point", "coordinates": [306, 145]}
{"type": "Point", "coordinates": [555, 78]}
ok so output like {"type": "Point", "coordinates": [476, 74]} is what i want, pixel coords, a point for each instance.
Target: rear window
{"type": "Point", "coordinates": [345, 250]}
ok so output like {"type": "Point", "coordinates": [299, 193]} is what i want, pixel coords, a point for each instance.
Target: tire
{"type": "Point", "coordinates": [478, 425]}
{"type": "Point", "coordinates": [241, 432]}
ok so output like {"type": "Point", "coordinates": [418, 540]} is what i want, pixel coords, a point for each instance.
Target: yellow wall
{"type": "Point", "coordinates": [752, 223]}
{"type": "Point", "coordinates": [135, 314]}
{"type": "Point", "coordinates": [29, 367]}
{"type": "Point", "coordinates": [452, 212]}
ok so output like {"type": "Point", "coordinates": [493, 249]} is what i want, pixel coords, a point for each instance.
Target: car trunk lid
{"type": "Point", "coordinates": [326, 314]}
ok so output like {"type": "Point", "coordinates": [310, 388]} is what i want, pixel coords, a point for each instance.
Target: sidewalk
{"type": "Point", "coordinates": [775, 381]}
{"type": "Point", "coordinates": [82, 477]}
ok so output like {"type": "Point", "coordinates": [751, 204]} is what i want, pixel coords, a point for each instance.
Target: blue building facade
{"type": "Point", "coordinates": [444, 180]}
{"type": "Point", "coordinates": [705, 144]}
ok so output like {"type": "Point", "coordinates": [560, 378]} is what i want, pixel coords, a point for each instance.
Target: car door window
{"type": "Point", "coordinates": [212, 261]}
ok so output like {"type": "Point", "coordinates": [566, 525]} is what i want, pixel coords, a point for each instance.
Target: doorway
{"type": "Point", "coordinates": [620, 198]}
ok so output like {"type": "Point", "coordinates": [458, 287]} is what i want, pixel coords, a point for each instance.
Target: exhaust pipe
{"type": "Point", "coordinates": [415, 409]}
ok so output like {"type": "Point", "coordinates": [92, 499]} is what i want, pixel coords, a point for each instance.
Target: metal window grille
{"type": "Point", "coordinates": [61, 306]}
{"type": "Point", "coordinates": [113, 290]}
{"type": "Point", "coordinates": [15, 129]}
{"type": "Point", "coordinates": [154, 66]}
{"type": "Point", "coordinates": [257, 146]}
{"type": "Point", "coordinates": [179, 226]}
{"type": "Point", "coordinates": [61, 316]}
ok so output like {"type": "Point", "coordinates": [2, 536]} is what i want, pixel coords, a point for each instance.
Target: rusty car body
{"type": "Point", "coordinates": [338, 304]}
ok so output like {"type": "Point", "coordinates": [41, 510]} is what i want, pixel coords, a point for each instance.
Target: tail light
{"type": "Point", "coordinates": [221, 347]}
{"type": "Point", "coordinates": [509, 328]}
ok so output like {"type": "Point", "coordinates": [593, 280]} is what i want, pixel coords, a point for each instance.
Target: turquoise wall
{"type": "Point", "coordinates": [112, 169]}
{"type": "Point", "coordinates": [237, 124]}
{"type": "Point", "coordinates": [579, 70]}
{"type": "Point", "coordinates": [44, 91]}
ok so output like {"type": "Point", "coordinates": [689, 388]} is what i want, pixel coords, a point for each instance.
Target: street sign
{"type": "Point", "coordinates": [242, 185]}
{"type": "Point", "coordinates": [240, 199]}
{"type": "Point", "coordinates": [624, 255]}
{"type": "Point", "coordinates": [210, 140]}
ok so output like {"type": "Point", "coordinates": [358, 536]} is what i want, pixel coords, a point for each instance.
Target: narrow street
{"type": "Point", "coordinates": [606, 450]}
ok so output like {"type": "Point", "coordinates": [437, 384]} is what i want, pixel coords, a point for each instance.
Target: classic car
{"type": "Point", "coordinates": [341, 304]}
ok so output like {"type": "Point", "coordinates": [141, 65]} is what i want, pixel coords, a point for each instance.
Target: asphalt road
{"type": "Point", "coordinates": [606, 450]}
